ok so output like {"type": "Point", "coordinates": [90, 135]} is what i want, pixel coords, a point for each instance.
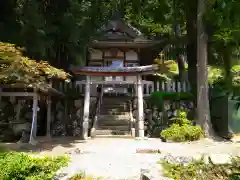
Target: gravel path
{"type": "Point", "coordinates": [116, 159]}
{"type": "Point", "coordinates": [113, 166]}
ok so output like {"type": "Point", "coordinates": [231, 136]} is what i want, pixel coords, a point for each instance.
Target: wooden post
{"type": "Point", "coordinates": [34, 121]}
{"type": "Point", "coordinates": [140, 120]}
{"type": "Point", "coordinates": [49, 112]}
{"type": "Point", "coordinates": [163, 86]}
{"type": "Point", "coordinates": [19, 106]}
{"type": "Point", "coordinates": [179, 87]}
{"type": "Point", "coordinates": [0, 95]}
{"type": "Point", "coordinates": [147, 89]}
{"type": "Point", "coordinates": [86, 108]}
{"type": "Point", "coordinates": [158, 86]}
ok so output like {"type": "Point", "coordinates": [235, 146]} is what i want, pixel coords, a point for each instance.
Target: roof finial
{"type": "Point", "coordinates": [118, 14]}
{"type": "Point", "coordinates": [118, 11]}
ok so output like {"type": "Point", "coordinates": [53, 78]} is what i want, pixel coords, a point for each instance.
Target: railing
{"type": "Point", "coordinates": [165, 86]}
{"type": "Point", "coordinates": [68, 87]}
{"type": "Point", "coordinates": [96, 110]}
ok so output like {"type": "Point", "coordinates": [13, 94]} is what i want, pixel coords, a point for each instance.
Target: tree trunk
{"type": "Point", "coordinates": [181, 67]}
{"type": "Point", "coordinates": [203, 111]}
{"type": "Point", "coordinates": [191, 15]}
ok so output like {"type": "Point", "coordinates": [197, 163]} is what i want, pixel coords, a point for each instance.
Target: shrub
{"type": "Point", "coordinates": [197, 169]}
{"type": "Point", "coordinates": [181, 129]}
{"type": "Point", "coordinates": [21, 166]}
{"type": "Point", "coordinates": [82, 176]}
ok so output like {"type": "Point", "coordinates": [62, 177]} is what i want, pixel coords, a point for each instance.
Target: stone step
{"type": "Point", "coordinates": [120, 128]}
{"type": "Point", "coordinates": [115, 117]}
{"type": "Point", "coordinates": [116, 126]}
{"type": "Point", "coordinates": [121, 106]}
{"type": "Point", "coordinates": [111, 132]}
{"type": "Point", "coordinates": [115, 102]}
{"type": "Point", "coordinates": [113, 113]}
{"type": "Point", "coordinates": [114, 109]}
{"type": "Point", "coordinates": [127, 136]}
{"type": "Point", "coordinates": [106, 97]}
{"type": "Point", "coordinates": [114, 120]}
{"type": "Point", "coordinates": [113, 123]}
{"type": "Point", "coordinates": [125, 99]}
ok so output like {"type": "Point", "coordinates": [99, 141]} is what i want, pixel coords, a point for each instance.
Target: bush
{"type": "Point", "coordinates": [82, 176]}
{"type": "Point", "coordinates": [21, 166]}
{"type": "Point", "coordinates": [181, 129]}
{"type": "Point", "coordinates": [201, 171]}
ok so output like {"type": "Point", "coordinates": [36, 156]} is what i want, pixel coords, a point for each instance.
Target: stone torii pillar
{"type": "Point", "coordinates": [86, 108]}
{"type": "Point", "coordinates": [140, 117]}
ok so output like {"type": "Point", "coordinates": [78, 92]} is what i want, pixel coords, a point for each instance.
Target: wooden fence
{"type": "Point", "coordinates": [148, 88]}
{"type": "Point", "coordinates": [165, 86]}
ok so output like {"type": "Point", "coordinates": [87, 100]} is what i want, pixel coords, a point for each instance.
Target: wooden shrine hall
{"type": "Point", "coordinates": [117, 61]}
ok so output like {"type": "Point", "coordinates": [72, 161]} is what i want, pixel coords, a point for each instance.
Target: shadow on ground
{"type": "Point", "coordinates": [44, 144]}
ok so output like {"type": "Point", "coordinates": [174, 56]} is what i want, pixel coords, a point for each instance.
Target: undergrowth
{"type": "Point", "coordinates": [198, 170]}
{"type": "Point", "coordinates": [83, 176]}
{"type": "Point", "coordinates": [182, 129]}
{"type": "Point", "coordinates": [22, 166]}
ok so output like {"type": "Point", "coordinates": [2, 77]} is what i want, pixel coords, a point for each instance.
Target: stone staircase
{"type": "Point", "coordinates": [114, 117]}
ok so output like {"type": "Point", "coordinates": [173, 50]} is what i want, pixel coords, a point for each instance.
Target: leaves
{"type": "Point", "coordinates": [16, 68]}
{"type": "Point", "coordinates": [23, 166]}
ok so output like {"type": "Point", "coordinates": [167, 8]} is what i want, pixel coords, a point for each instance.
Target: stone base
{"type": "Point", "coordinates": [93, 132]}
{"type": "Point", "coordinates": [133, 132]}
{"type": "Point", "coordinates": [33, 141]}
{"type": "Point", "coordinates": [140, 138]}
{"type": "Point", "coordinates": [153, 173]}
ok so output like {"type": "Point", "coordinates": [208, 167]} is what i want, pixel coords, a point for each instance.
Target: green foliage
{"type": "Point", "coordinates": [157, 98]}
{"type": "Point", "coordinates": [55, 31]}
{"type": "Point", "coordinates": [197, 169]}
{"type": "Point", "coordinates": [21, 166]}
{"type": "Point", "coordinates": [215, 74]}
{"type": "Point", "coordinates": [236, 75]}
{"type": "Point", "coordinates": [181, 129]}
{"type": "Point", "coordinates": [168, 69]}
{"type": "Point", "coordinates": [83, 176]}
{"type": "Point", "coordinates": [16, 68]}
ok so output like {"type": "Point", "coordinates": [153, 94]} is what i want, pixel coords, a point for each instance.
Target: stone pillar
{"type": "Point", "coordinates": [34, 121]}
{"type": "Point", "coordinates": [86, 108]}
{"type": "Point", "coordinates": [49, 113]}
{"type": "Point", "coordinates": [140, 117]}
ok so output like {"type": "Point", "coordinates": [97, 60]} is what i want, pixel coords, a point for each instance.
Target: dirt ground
{"type": "Point", "coordinates": [62, 145]}
{"type": "Point", "coordinates": [111, 158]}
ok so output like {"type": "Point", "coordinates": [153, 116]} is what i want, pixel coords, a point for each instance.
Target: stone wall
{"type": "Point", "coordinates": [72, 125]}
{"type": "Point", "coordinates": [12, 128]}
{"type": "Point", "coordinates": [73, 122]}
{"type": "Point", "coordinates": [155, 121]}
{"type": "Point", "coordinates": [62, 124]}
